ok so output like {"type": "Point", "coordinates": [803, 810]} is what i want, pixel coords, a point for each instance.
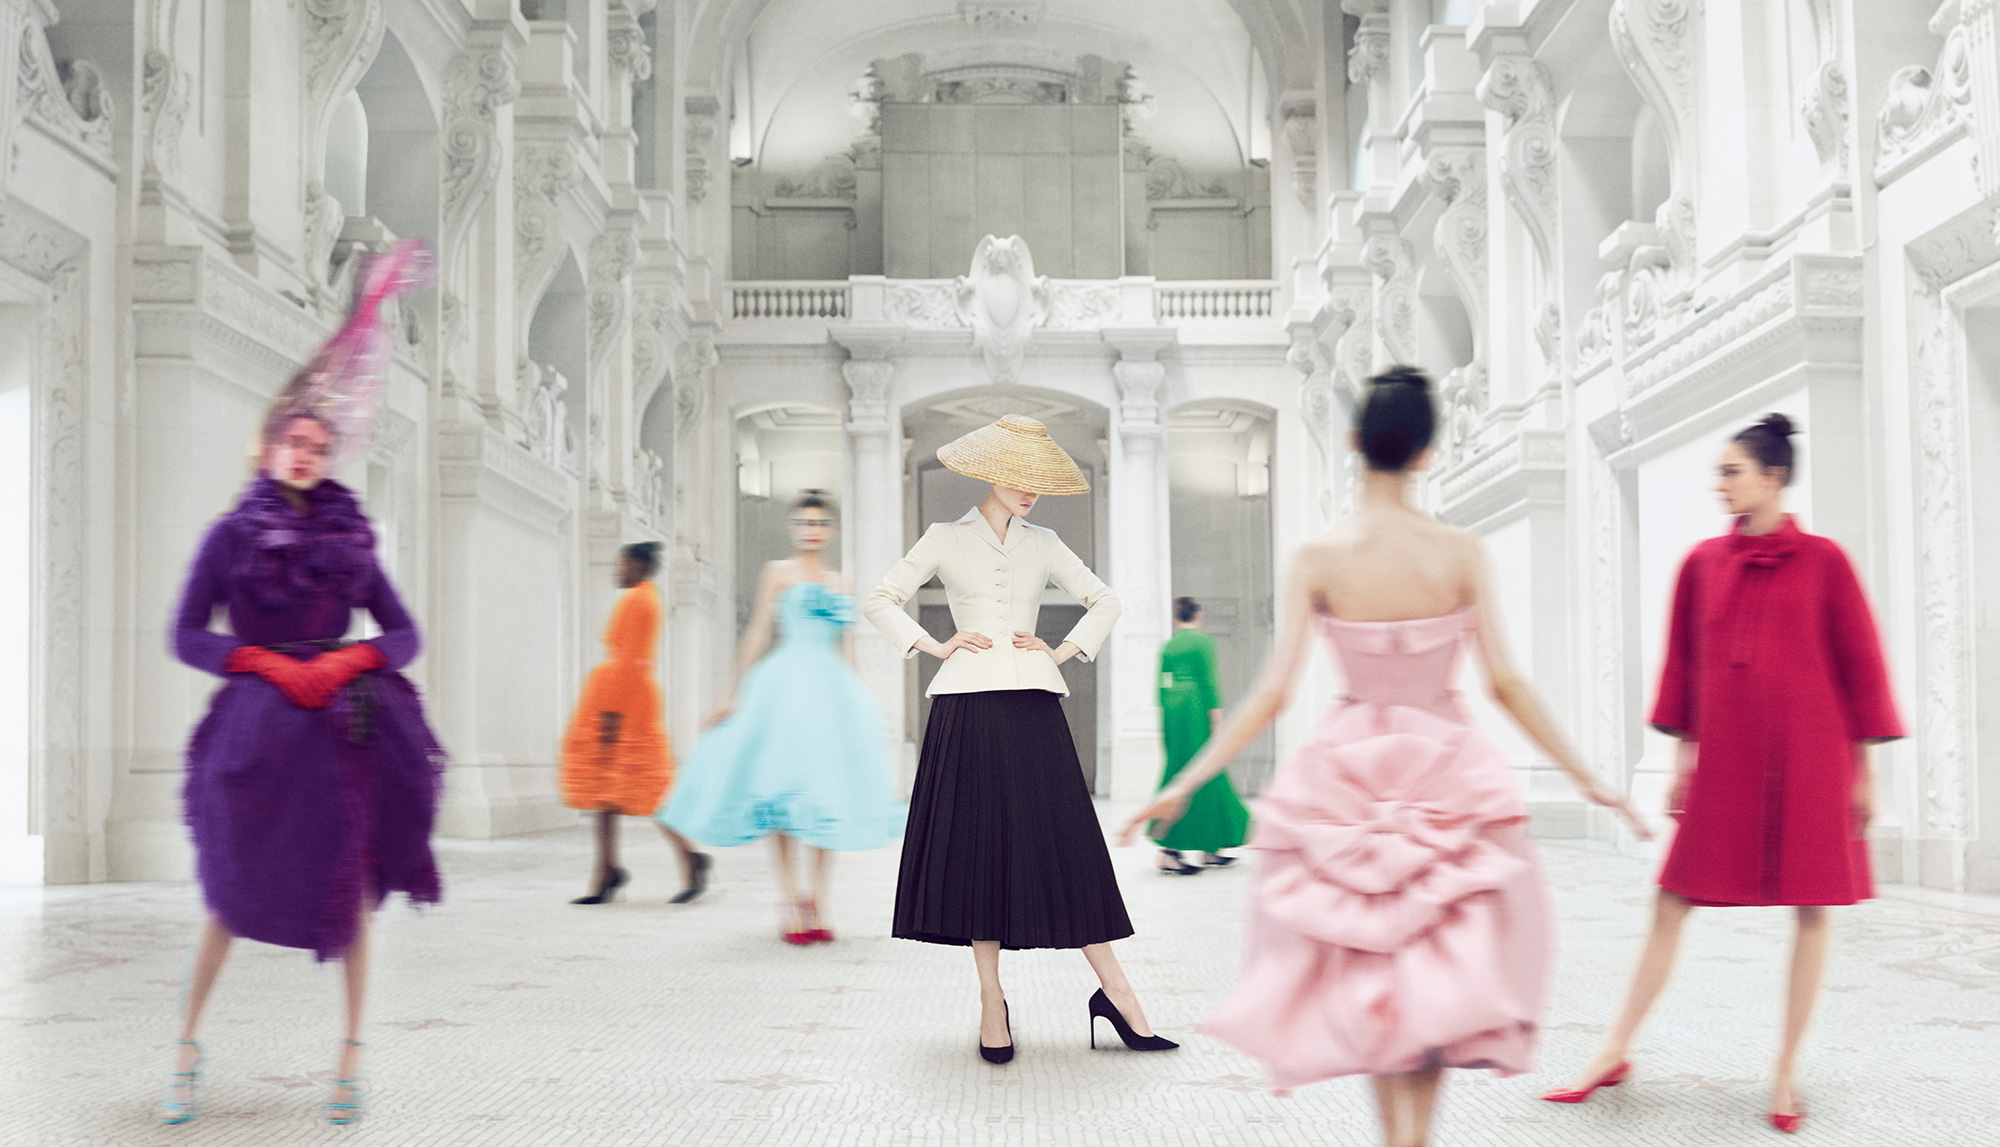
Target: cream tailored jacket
{"type": "Point", "coordinates": [994, 588]}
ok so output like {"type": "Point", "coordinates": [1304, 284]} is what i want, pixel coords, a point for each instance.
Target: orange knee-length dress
{"type": "Point", "coordinates": [631, 775]}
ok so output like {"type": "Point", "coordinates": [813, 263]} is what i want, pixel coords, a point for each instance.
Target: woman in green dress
{"type": "Point", "coordinates": [1190, 708]}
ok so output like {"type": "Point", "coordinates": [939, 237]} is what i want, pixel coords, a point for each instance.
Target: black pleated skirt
{"type": "Point", "coordinates": [1003, 842]}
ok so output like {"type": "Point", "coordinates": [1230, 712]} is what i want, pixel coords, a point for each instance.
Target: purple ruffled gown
{"type": "Point", "coordinates": [298, 814]}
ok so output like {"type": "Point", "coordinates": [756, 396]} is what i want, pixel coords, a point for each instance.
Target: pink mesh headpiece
{"type": "Point", "coordinates": [342, 385]}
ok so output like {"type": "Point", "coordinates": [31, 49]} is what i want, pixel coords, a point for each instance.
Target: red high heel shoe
{"type": "Point", "coordinates": [1789, 1124]}
{"type": "Point", "coordinates": [1612, 1078]}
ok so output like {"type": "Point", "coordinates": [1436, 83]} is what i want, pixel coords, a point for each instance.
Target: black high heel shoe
{"type": "Point", "coordinates": [1174, 865]}
{"type": "Point", "coordinates": [1000, 1054]}
{"type": "Point", "coordinates": [697, 878]}
{"type": "Point", "coordinates": [607, 891]}
{"type": "Point", "coordinates": [1101, 1007]}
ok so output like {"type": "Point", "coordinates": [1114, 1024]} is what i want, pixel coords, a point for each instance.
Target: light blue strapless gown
{"type": "Point", "coordinates": [805, 751]}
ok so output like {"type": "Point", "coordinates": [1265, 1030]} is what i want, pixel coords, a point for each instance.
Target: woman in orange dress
{"type": "Point", "coordinates": [616, 759]}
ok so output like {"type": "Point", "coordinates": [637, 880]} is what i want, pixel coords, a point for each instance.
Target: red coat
{"type": "Point", "coordinates": [1774, 668]}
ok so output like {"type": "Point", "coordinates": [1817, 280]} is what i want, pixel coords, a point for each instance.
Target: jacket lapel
{"type": "Point", "coordinates": [973, 522]}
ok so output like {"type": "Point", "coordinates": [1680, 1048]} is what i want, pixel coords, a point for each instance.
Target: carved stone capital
{"type": "Point", "coordinates": [1139, 383]}
{"type": "Point", "coordinates": [868, 382]}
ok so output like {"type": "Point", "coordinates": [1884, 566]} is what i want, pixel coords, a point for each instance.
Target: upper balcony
{"type": "Point", "coordinates": [1204, 312]}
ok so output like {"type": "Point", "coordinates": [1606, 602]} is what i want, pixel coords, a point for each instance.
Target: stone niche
{"type": "Point", "coordinates": [1049, 172]}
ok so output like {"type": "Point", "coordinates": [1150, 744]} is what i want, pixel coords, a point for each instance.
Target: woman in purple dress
{"type": "Point", "coordinates": [313, 781]}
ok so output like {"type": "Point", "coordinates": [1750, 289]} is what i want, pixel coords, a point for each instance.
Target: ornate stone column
{"type": "Point", "coordinates": [701, 618]}
{"type": "Point", "coordinates": [1141, 562]}
{"type": "Point", "coordinates": [872, 519]}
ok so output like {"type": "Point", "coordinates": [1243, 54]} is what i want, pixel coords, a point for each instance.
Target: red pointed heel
{"type": "Point", "coordinates": [1789, 1124]}
{"type": "Point", "coordinates": [1612, 1078]}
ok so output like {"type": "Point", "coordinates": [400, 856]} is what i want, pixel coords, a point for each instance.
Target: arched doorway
{"type": "Point", "coordinates": [935, 494]}
{"type": "Point", "coordinates": [781, 450]}
{"type": "Point", "coordinates": [1219, 456]}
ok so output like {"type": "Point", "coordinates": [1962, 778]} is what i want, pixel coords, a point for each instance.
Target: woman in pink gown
{"type": "Point", "coordinates": [1398, 923]}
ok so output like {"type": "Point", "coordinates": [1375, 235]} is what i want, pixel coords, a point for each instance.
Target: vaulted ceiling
{"type": "Point", "coordinates": [1212, 68]}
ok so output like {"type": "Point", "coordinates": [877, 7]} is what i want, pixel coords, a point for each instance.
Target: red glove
{"type": "Point", "coordinates": [336, 668]}
{"type": "Point", "coordinates": [294, 678]}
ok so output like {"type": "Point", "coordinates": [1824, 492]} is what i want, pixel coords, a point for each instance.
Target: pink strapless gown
{"type": "Point", "coordinates": [1397, 918]}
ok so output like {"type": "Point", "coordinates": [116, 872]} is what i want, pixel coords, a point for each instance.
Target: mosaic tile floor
{"type": "Point", "coordinates": [508, 1017]}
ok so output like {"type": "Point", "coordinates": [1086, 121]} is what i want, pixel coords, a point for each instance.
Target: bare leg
{"type": "Point", "coordinates": [209, 953]}
{"type": "Point", "coordinates": [1422, 1091]}
{"type": "Point", "coordinates": [822, 876]}
{"type": "Point", "coordinates": [1656, 963]}
{"type": "Point", "coordinates": [1392, 1106]}
{"type": "Point", "coordinates": [788, 885]}
{"type": "Point", "coordinates": [1117, 988]}
{"type": "Point", "coordinates": [354, 966]}
{"type": "Point", "coordinates": [992, 997]}
{"type": "Point", "coordinates": [1808, 962]}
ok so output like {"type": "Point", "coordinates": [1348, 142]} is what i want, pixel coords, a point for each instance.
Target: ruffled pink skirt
{"type": "Point", "coordinates": [1397, 919]}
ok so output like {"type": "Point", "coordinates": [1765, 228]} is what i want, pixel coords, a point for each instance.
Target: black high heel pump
{"type": "Point", "coordinates": [1000, 1054]}
{"type": "Point", "coordinates": [698, 867]}
{"type": "Point", "coordinates": [1101, 1007]}
{"type": "Point", "coordinates": [607, 891]}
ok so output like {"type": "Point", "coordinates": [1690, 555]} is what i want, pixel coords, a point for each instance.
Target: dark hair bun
{"type": "Point", "coordinates": [1777, 424]}
{"type": "Point", "coordinates": [1396, 420]}
{"type": "Point", "coordinates": [1402, 376]}
{"type": "Point", "coordinates": [1769, 441]}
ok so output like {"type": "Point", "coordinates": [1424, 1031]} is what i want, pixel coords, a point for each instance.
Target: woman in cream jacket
{"type": "Point", "coordinates": [1003, 848]}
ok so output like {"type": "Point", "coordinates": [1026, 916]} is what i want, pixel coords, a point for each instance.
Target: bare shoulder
{"type": "Point", "coordinates": [780, 573]}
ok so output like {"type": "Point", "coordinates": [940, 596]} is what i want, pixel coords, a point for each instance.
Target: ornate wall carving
{"type": "Point", "coordinates": [1924, 106]}
{"type": "Point", "coordinates": [1940, 259]}
{"type": "Point", "coordinates": [1523, 91]}
{"type": "Point", "coordinates": [543, 173]}
{"type": "Point", "coordinates": [478, 82]}
{"type": "Point", "coordinates": [339, 41]}
{"type": "Point", "coordinates": [701, 112]}
{"type": "Point", "coordinates": [1655, 41]}
{"type": "Point", "coordinates": [612, 256]}
{"type": "Point", "coordinates": [1369, 57]}
{"type": "Point", "coordinates": [1003, 301]}
{"type": "Point", "coordinates": [1823, 109]}
{"type": "Point", "coordinates": [1393, 262]}
{"type": "Point", "coordinates": [69, 99]}
{"type": "Point", "coordinates": [164, 88]}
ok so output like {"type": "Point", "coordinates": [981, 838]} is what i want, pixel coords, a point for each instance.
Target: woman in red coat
{"type": "Point", "coordinates": [1774, 682]}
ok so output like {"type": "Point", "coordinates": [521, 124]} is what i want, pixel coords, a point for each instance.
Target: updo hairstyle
{"type": "Point", "coordinates": [1769, 441]}
{"type": "Point", "coordinates": [815, 500]}
{"type": "Point", "coordinates": [1185, 609]}
{"type": "Point", "coordinates": [1397, 419]}
{"type": "Point", "coordinates": [646, 554]}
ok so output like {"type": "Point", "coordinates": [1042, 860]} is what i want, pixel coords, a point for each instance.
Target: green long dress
{"type": "Point", "coordinates": [1216, 818]}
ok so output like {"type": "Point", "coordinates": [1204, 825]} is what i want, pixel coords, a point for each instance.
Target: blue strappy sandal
{"type": "Point", "coordinates": [175, 1111]}
{"type": "Point", "coordinates": [341, 1114]}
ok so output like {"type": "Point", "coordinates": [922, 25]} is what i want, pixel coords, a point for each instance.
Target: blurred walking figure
{"type": "Point", "coordinates": [1190, 710]}
{"type": "Point", "coordinates": [798, 751]}
{"type": "Point", "coordinates": [1775, 685]}
{"type": "Point", "coordinates": [1004, 848]}
{"type": "Point", "coordinates": [1398, 921]}
{"type": "Point", "coordinates": [313, 782]}
{"type": "Point", "coordinates": [617, 760]}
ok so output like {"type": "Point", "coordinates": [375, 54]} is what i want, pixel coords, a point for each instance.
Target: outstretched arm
{"type": "Point", "coordinates": [757, 635]}
{"type": "Point", "coordinates": [1513, 693]}
{"type": "Point", "coordinates": [1257, 710]}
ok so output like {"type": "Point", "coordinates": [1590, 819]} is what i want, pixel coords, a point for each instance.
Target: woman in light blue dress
{"type": "Point", "coordinates": [798, 751]}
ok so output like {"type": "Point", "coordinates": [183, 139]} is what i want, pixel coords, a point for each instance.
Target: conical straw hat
{"type": "Point", "coordinates": [1017, 453]}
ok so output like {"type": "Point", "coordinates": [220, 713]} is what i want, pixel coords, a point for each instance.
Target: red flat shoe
{"type": "Point", "coordinates": [1611, 1078]}
{"type": "Point", "coordinates": [1789, 1124]}
{"type": "Point", "coordinates": [819, 936]}
{"type": "Point", "coordinates": [799, 938]}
